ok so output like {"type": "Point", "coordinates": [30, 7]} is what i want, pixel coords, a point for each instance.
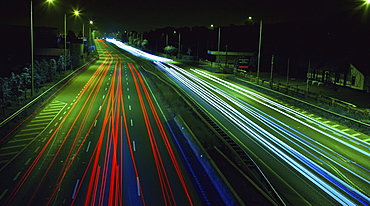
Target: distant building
{"type": "Point", "coordinates": [341, 73]}
{"type": "Point", "coordinates": [15, 44]}
{"type": "Point", "coordinates": [232, 61]}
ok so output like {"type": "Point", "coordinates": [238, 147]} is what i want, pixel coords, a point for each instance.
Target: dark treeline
{"type": "Point", "coordinates": [341, 39]}
{"type": "Point", "coordinates": [17, 86]}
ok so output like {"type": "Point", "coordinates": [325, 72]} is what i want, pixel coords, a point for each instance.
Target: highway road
{"type": "Point", "coordinates": [307, 160]}
{"type": "Point", "coordinates": [101, 140]}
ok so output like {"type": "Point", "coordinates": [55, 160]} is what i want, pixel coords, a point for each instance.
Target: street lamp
{"type": "Point", "coordinates": [178, 52]}
{"type": "Point", "coordinates": [32, 63]}
{"type": "Point", "coordinates": [91, 23]}
{"type": "Point", "coordinates": [259, 51]}
{"type": "Point", "coordinates": [218, 43]}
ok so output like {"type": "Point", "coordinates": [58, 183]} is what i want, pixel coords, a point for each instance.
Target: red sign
{"type": "Point", "coordinates": [243, 67]}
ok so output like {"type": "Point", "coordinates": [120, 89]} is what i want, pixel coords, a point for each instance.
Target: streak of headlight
{"type": "Point", "coordinates": [138, 52]}
{"type": "Point", "coordinates": [238, 120]}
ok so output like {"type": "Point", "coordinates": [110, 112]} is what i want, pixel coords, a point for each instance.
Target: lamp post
{"type": "Point", "coordinates": [259, 54]}
{"type": "Point", "coordinates": [32, 65]}
{"type": "Point", "coordinates": [259, 49]}
{"type": "Point", "coordinates": [65, 42]}
{"type": "Point", "coordinates": [178, 51]}
{"type": "Point", "coordinates": [218, 45]}
{"type": "Point", "coordinates": [179, 46]}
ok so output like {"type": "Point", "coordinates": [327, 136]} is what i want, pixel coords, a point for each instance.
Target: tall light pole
{"type": "Point", "coordinates": [179, 45]}
{"type": "Point", "coordinates": [259, 54]}
{"type": "Point", "coordinates": [65, 42]}
{"type": "Point", "coordinates": [218, 45]}
{"type": "Point", "coordinates": [32, 68]}
{"type": "Point", "coordinates": [91, 22]}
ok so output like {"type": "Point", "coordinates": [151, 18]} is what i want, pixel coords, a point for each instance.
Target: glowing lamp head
{"type": "Point", "coordinates": [76, 13]}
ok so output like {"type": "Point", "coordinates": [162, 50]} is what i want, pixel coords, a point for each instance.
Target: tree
{"type": "Point", "coordinates": [60, 64]}
{"type": "Point", "coordinates": [25, 80]}
{"type": "Point", "coordinates": [5, 95]}
{"type": "Point", "coordinates": [170, 50]}
{"type": "Point", "coordinates": [15, 86]}
{"type": "Point", "coordinates": [53, 68]}
{"type": "Point", "coordinates": [144, 43]}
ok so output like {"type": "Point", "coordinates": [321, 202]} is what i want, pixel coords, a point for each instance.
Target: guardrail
{"type": "Point", "coordinates": [284, 90]}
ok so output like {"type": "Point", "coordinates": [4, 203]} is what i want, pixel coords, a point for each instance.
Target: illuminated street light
{"type": "Point", "coordinates": [259, 51]}
{"type": "Point", "coordinates": [90, 34]}
{"type": "Point", "coordinates": [76, 12]}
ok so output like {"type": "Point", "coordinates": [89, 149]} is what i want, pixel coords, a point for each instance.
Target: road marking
{"type": "Point", "coordinates": [51, 131]}
{"type": "Point", "coordinates": [103, 96]}
{"type": "Point", "coordinates": [106, 88]}
{"type": "Point", "coordinates": [44, 116]}
{"type": "Point", "coordinates": [128, 96]}
{"type": "Point", "coordinates": [88, 146]}
{"type": "Point", "coordinates": [366, 140]}
{"type": "Point", "coordinates": [129, 107]}
{"type": "Point", "coordinates": [16, 176]}
{"type": "Point", "coordinates": [134, 146]}
{"type": "Point", "coordinates": [25, 139]}
{"type": "Point", "coordinates": [107, 83]}
{"type": "Point", "coordinates": [131, 122]}
{"type": "Point", "coordinates": [56, 124]}
{"type": "Point", "coordinates": [37, 149]}
{"type": "Point", "coordinates": [100, 108]}
{"type": "Point", "coordinates": [14, 146]}
{"type": "Point", "coordinates": [95, 122]}
{"type": "Point", "coordinates": [43, 140]}
{"type": "Point", "coordinates": [138, 186]}
{"type": "Point", "coordinates": [30, 129]}
{"type": "Point", "coordinates": [126, 83]}
{"type": "Point", "coordinates": [126, 78]}
{"type": "Point", "coordinates": [40, 120]}
{"type": "Point", "coordinates": [3, 194]}
{"type": "Point", "coordinates": [345, 130]}
{"type": "Point", "coordinates": [74, 191]}
{"type": "Point", "coordinates": [357, 134]}
{"type": "Point", "coordinates": [128, 89]}
{"type": "Point", "coordinates": [64, 112]}
{"type": "Point", "coordinates": [28, 161]}
{"type": "Point", "coordinates": [336, 125]}
{"type": "Point", "coordinates": [60, 118]}
{"type": "Point", "coordinates": [9, 153]}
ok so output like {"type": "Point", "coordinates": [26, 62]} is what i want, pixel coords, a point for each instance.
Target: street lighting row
{"type": "Point", "coordinates": [76, 12]}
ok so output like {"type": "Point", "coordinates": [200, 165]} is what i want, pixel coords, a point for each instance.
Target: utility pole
{"type": "Point", "coordinates": [32, 63]}
{"type": "Point", "coordinates": [287, 73]}
{"type": "Point", "coordinates": [218, 47]}
{"type": "Point", "coordinates": [226, 66]}
{"type": "Point", "coordinates": [65, 42]}
{"type": "Point", "coordinates": [308, 71]}
{"type": "Point", "coordinates": [272, 69]}
{"type": "Point", "coordinates": [179, 45]}
{"type": "Point", "coordinates": [259, 54]}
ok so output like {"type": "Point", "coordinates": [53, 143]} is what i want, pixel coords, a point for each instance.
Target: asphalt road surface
{"type": "Point", "coordinates": [309, 160]}
{"type": "Point", "coordinates": [101, 140]}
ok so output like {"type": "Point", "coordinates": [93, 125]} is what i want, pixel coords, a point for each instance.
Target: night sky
{"type": "Point", "coordinates": [141, 16]}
